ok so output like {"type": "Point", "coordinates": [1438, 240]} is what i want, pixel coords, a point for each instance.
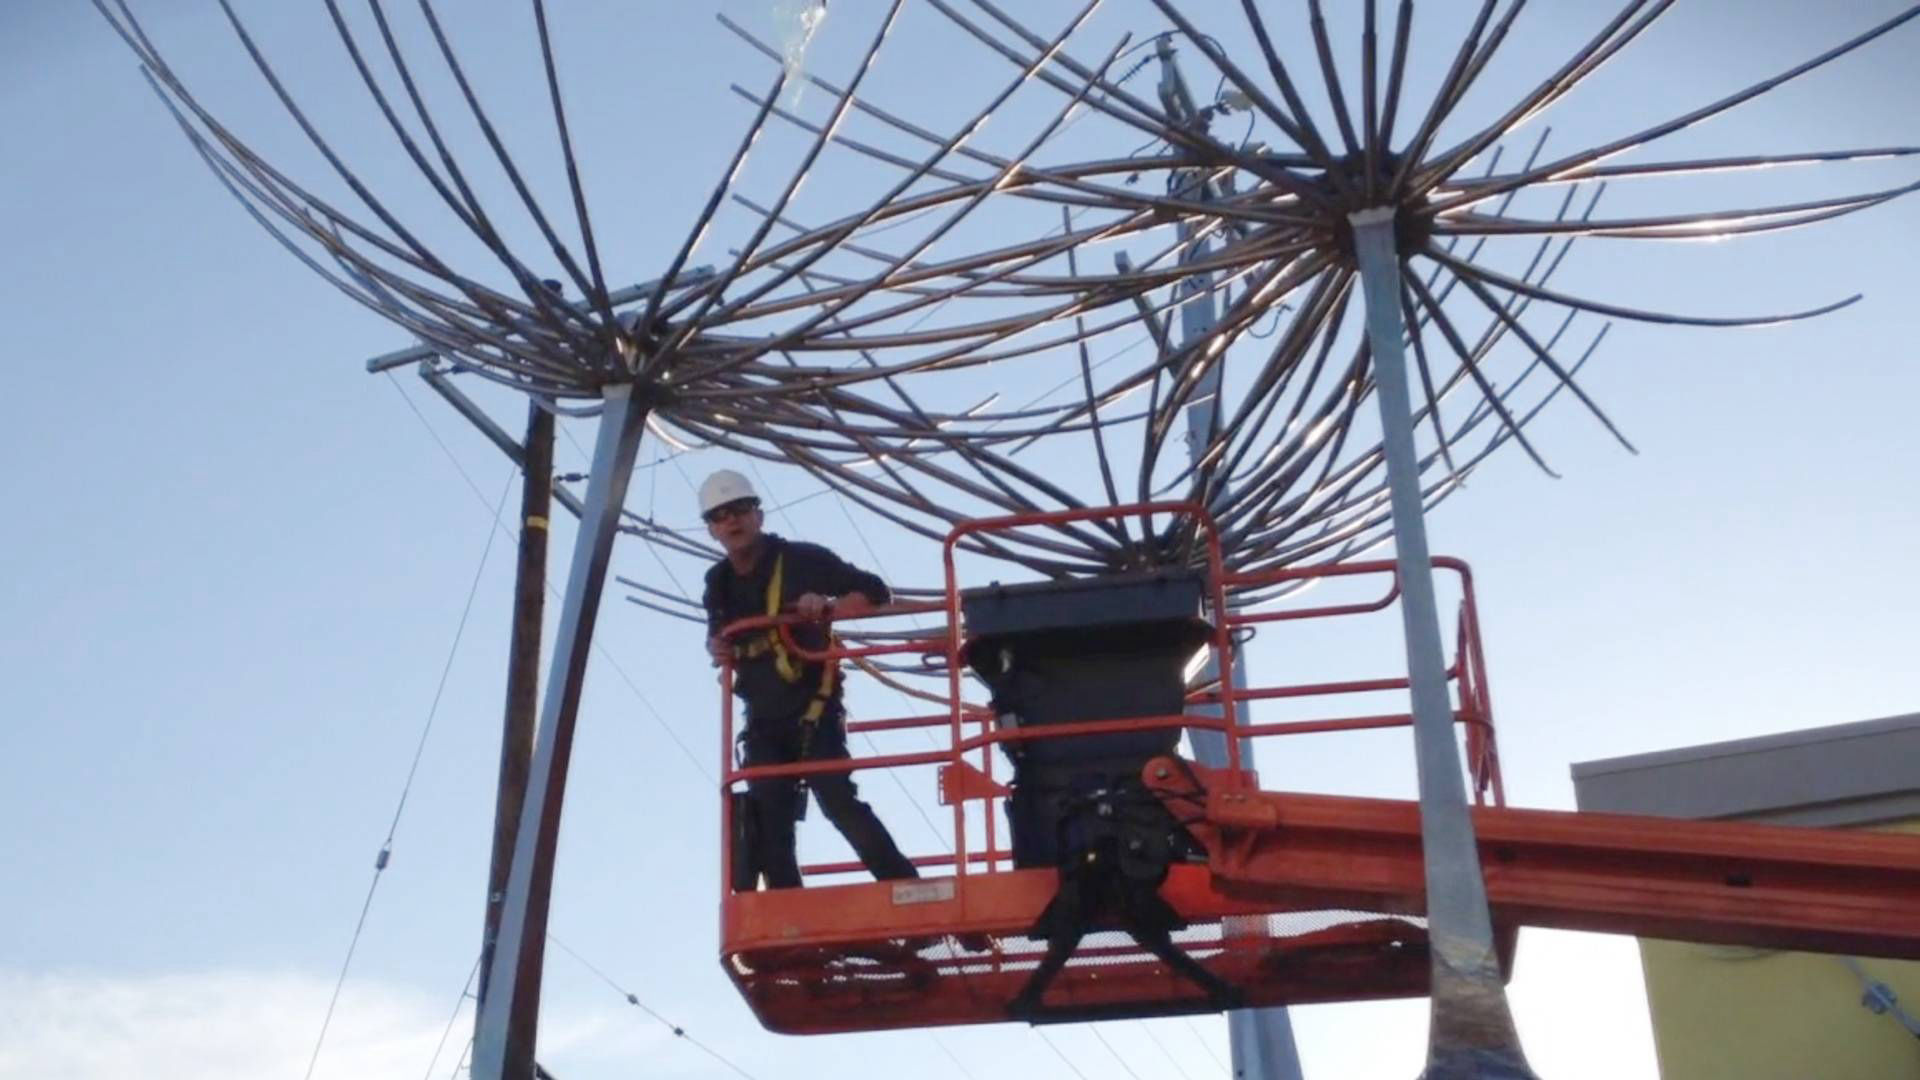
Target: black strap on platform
{"type": "Point", "coordinates": [1117, 841]}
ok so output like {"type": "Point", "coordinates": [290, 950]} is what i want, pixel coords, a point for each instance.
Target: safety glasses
{"type": "Point", "coordinates": [734, 509]}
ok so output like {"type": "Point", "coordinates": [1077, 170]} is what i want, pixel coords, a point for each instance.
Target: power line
{"type": "Point", "coordinates": [359, 925]}
{"type": "Point", "coordinates": [653, 490]}
{"type": "Point", "coordinates": [1064, 1059]}
{"type": "Point", "coordinates": [599, 650]}
{"type": "Point", "coordinates": [1148, 1028]}
{"type": "Point", "coordinates": [458, 1005]}
{"type": "Point", "coordinates": [1116, 1054]}
{"type": "Point", "coordinates": [951, 1056]}
{"type": "Point", "coordinates": [634, 1000]}
{"type": "Point", "coordinates": [435, 435]}
{"type": "Point", "coordinates": [386, 847]}
{"type": "Point", "coordinates": [1168, 1054]}
{"type": "Point", "coordinates": [446, 670]}
{"type": "Point", "coordinates": [685, 750]}
{"type": "Point", "coordinates": [1206, 1044]}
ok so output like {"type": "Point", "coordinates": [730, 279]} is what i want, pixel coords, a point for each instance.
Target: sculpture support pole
{"type": "Point", "coordinates": [1260, 1040]}
{"type": "Point", "coordinates": [504, 1035]}
{"type": "Point", "coordinates": [1471, 1033]}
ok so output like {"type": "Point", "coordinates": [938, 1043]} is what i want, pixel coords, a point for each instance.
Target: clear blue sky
{"type": "Point", "coordinates": [240, 562]}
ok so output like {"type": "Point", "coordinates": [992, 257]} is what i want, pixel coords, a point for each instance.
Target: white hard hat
{"type": "Point", "coordinates": [723, 487]}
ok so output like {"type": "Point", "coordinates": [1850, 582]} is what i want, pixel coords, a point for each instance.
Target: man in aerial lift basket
{"type": "Point", "coordinates": [793, 705]}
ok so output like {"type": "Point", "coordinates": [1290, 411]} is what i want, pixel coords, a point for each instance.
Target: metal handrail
{"type": "Point", "coordinates": [1468, 670]}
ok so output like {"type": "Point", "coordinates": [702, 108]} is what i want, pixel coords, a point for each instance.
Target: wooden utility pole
{"type": "Point", "coordinates": [523, 694]}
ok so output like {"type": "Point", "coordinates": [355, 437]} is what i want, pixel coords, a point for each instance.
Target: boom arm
{"type": "Point", "coordinates": [1770, 886]}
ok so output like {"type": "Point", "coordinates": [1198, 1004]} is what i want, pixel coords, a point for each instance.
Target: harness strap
{"type": "Point", "coordinates": [784, 662]}
{"type": "Point", "coordinates": [776, 585]}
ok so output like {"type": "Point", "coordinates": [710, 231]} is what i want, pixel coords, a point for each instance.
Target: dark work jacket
{"type": "Point", "coordinates": [809, 568]}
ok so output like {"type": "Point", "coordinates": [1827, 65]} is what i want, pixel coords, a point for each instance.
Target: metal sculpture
{"type": "Point", "coordinates": [769, 354]}
{"type": "Point", "coordinates": [827, 345]}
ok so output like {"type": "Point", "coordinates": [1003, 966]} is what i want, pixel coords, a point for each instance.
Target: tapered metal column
{"type": "Point", "coordinates": [503, 1038]}
{"type": "Point", "coordinates": [1261, 1040]}
{"type": "Point", "coordinates": [1196, 321]}
{"type": "Point", "coordinates": [1472, 1033]}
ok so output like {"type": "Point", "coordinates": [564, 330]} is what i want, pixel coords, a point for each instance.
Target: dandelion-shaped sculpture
{"type": "Point", "coordinates": [1304, 267]}
{"type": "Point", "coordinates": [1274, 232]}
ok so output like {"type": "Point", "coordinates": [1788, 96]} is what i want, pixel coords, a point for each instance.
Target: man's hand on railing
{"type": "Point", "coordinates": [813, 606]}
{"type": "Point", "coordinates": [717, 647]}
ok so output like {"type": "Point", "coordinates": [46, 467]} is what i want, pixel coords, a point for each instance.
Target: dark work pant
{"type": "Point", "coordinates": [776, 803]}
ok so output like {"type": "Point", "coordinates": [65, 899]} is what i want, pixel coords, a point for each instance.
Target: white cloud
{"type": "Point", "coordinates": [1576, 997]}
{"type": "Point", "coordinates": [219, 1025]}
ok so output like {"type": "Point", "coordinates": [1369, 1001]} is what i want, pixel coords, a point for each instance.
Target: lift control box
{"type": "Point", "coordinates": [1087, 649]}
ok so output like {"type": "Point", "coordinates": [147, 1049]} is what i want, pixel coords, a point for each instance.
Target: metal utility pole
{"type": "Point", "coordinates": [523, 700]}
{"type": "Point", "coordinates": [1471, 1034]}
{"type": "Point", "coordinates": [503, 1036]}
{"type": "Point", "coordinates": [1261, 1039]}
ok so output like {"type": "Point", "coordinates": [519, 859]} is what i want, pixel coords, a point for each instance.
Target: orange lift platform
{"type": "Point", "coordinates": [1266, 898]}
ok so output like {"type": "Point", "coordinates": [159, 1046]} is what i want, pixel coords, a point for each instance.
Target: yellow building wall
{"type": "Point", "coordinates": [1727, 1013]}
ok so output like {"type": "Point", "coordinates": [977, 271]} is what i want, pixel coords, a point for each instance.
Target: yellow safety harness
{"type": "Point", "coordinates": [784, 662]}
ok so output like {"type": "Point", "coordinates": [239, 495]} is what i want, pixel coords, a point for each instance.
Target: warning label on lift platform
{"type": "Point", "coordinates": [922, 892]}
